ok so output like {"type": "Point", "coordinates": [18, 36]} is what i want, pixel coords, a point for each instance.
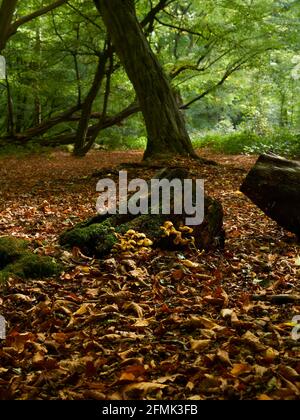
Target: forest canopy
{"type": "Point", "coordinates": [233, 66]}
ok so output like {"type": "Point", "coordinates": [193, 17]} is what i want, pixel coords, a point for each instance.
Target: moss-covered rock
{"type": "Point", "coordinates": [11, 249]}
{"type": "Point", "coordinates": [31, 266]}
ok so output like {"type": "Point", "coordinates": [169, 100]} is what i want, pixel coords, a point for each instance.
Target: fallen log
{"type": "Point", "coordinates": [273, 184]}
{"type": "Point", "coordinates": [96, 236]}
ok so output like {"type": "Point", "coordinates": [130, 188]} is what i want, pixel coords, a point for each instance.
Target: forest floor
{"type": "Point", "coordinates": [160, 325]}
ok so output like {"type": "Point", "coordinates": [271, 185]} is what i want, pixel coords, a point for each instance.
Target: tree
{"type": "Point", "coordinates": [167, 134]}
{"type": "Point", "coordinates": [7, 10]}
{"type": "Point", "coordinates": [9, 28]}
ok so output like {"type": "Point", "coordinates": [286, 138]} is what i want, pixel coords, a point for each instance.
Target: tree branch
{"type": "Point", "coordinates": [237, 65]}
{"type": "Point", "coordinates": [28, 18]}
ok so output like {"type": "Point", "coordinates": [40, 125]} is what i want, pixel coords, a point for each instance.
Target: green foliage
{"type": "Point", "coordinates": [19, 151]}
{"type": "Point", "coordinates": [240, 56]}
{"type": "Point", "coordinates": [282, 142]}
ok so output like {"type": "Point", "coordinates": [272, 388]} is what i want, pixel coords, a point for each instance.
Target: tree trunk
{"type": "Point", "coordinates": [87, 106]}
{"type": "Point", "coordinates": [273, 184]}
{"type": "Point", "coordinates": [167, 134]}
{"type": "Point", "coordinates": [7, 10]}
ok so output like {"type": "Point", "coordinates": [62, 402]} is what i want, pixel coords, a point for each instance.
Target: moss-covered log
{"type": "Point", "coordinates": [97, 236]}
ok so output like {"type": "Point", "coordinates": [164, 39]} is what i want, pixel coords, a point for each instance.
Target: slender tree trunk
{"type": "Point", "coordinates": [10, 111]}
{"type": "Point", "coordinates": [83, 125]}
{"type": "Point", "coordinates": [165, 125]}
{"type": "Point", "coordinates": [37, 67]}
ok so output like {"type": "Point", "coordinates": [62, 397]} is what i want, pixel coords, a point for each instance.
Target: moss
{"type": "Point", "coordinates": [106, 244]}
{"type": "Point", "coordinates": [10, 250]}
{"type": "Point", "coordinates": [32, 266]}
{"type": "Point", "coordinates": [149, 224]}
{"type": "Point", "coordinates": [97, 238]}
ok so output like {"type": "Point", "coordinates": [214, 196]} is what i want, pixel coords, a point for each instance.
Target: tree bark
{"type": "Point", "coordinates": [87, 106]}
{"type": "Point", "coordinates": [167, 134]}
{"type": "Point", "coordinates": [7, 10]}
{"type": "Point", "coordinates": [273, 184]}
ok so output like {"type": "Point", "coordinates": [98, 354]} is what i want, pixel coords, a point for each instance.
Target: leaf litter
{"type": "Point", "coordinates": [150, 325]}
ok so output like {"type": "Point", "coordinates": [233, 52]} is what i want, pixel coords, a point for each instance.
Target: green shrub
{"type": "Point", "coordinates": [282, 142]}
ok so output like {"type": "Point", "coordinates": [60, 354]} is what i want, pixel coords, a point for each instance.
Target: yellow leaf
{"type": "Point", "coordinates": [141, 323]}
{"type": "Point", "coordinates": [38, 357]}
{"type": "Point", "coordinates": [126, 376]}
{"type": "Point", "coordinates": [83, 309]}
{"type": "Point", "coordinates": [190, 386]}
{"type": "Point", "coordinates": [190, 264]}
{"type": "Point", "coordinates": [270, 355]}
{"type": "Point", "coordinates": [240, 368]}
{"type": "Point", "coordinates": [264, 397]}
{"type": "Point", "coordinates": [83, 269]}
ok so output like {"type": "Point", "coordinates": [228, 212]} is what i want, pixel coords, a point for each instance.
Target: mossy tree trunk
{"type": "Point", "coordinates": [167, 134]}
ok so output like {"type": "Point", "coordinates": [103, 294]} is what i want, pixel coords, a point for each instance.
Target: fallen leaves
{"type": "Point", "coordinates": [157, 325]}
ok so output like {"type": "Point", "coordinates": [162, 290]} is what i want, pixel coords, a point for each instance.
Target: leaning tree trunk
{"type": "Point", "coordinates": [273, 184]}
{"type": "Point", "coordinates": [165, 124]}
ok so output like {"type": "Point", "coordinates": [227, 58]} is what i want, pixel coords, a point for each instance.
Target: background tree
{"type": "Point", "coordinates": [230, 65]}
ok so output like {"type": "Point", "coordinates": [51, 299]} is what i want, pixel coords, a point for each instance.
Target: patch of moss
{"type": "Point", "coordinates": [149, 224]}
{"type": "Point", "coordinates": [97, 238]}
{"type": "Point", "coordinates": [32, 266]}
{"type": "Point", "coordinates": [11, 249]}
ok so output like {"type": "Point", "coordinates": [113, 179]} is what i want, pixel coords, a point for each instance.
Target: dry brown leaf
{"type": "Point", "coordinates": [136, 308]}
{"type": "Point", "coordinates": [264, 397]}
{"type": "Point", "coordinates": [226, 313]}
{"type": "Point", "coordinates": [144, 386]}
{"type": "Point", "coordinates": [142, 323]}
{"type": "Point", "coordinates": [199, 345]}
{"type": "Point", "coordinates": [253, 341]}
{"type": "Point", "coordinates": [199, 321]}
{"type": "Point", "coordinates": [223, 356]}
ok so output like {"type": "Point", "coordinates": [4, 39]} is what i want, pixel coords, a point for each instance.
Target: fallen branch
{"type": "Point", "coordinates": [277, 299]}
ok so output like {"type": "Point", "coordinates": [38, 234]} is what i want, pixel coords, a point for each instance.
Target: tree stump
{"type": "Point", "coordinates": [273, 184]}
{"type": "Point", "coordinates": [96, 236]}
